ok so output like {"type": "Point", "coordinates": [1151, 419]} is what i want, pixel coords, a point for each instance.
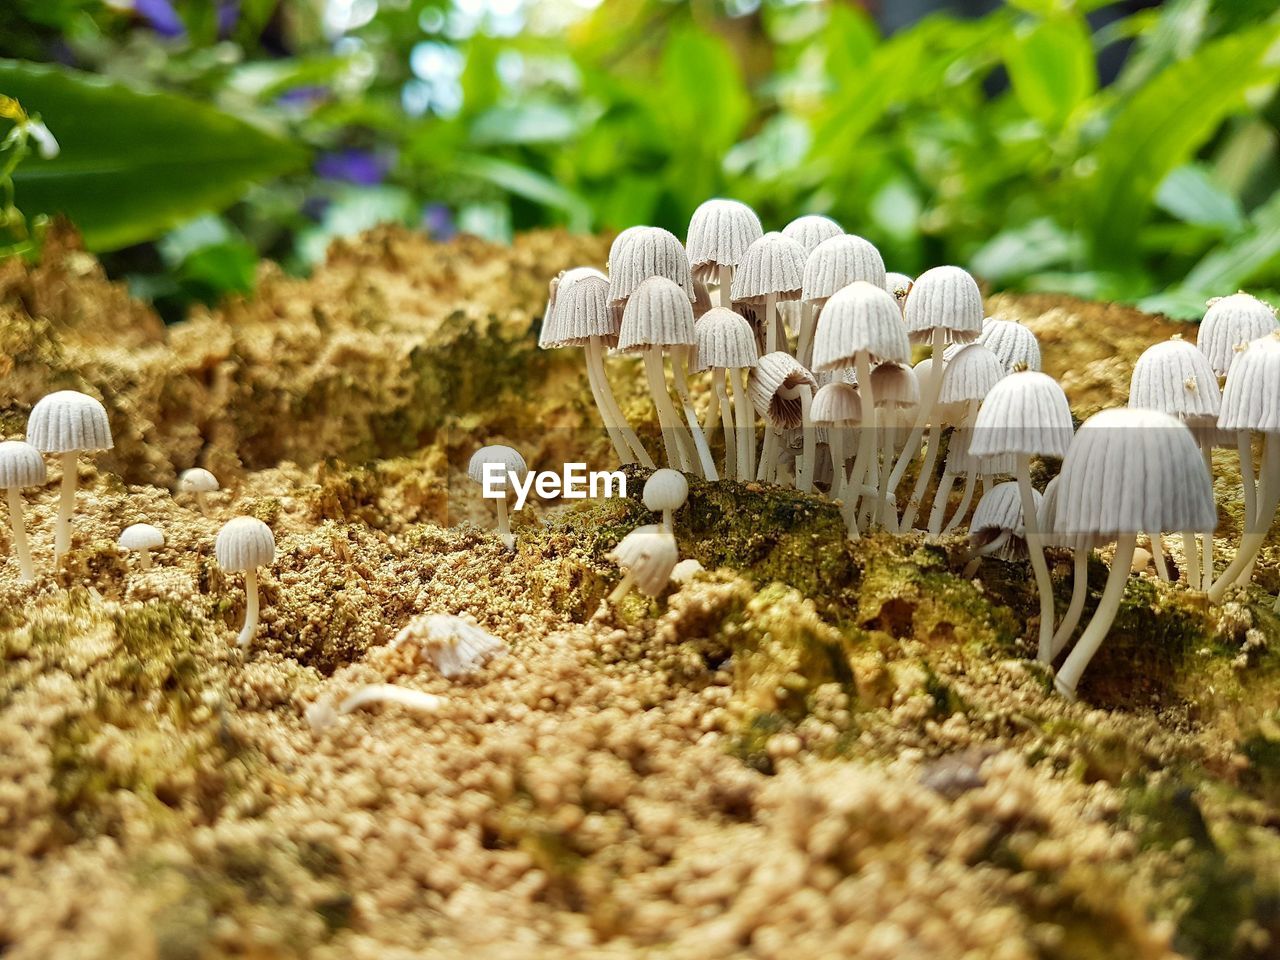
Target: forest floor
{"type": "Point", "coordinates": [819, 748]}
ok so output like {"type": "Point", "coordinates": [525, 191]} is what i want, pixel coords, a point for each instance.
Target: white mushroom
{"type": "Point", "coordinates": [21, 465]}
{"type": "Point", "coordinates": [1127, 471]}
{"type": "Point", "coordinates": [772, 269]}
{"type": "Point", "coordinates": [646, 556]}
{"type": "Point", "coordinates": [899, 284]}
{"type": "Point", "coordinates": [837, 407]}
{"type": "Point", "coordinates": [998, 528]}
{"type": "Point", "coordinates": [720, 231]}
{"type": "Point", "coordinates": [497, 469]}
{"type": "Point", "coordinates": [68, 423]}
{"type": "Point", "coordinates": [833, 265]}
{"type": "Point", "coordinates": [810, 230]}
{"type": "Point", "coordinates": [665, 492]}
{"type": "Point", "coordinates": [1229, 324]}
{"type": "Point", "coordinates": [1026, 414]}
{"type": "Point", "coordinates": [456, 646]}
{"type": "Point", "coordinates": [781, 391]}
{"type": "Point", "coordinates": [1013, 344]}
{"type": "Point", "coordinates": [727, 346]}
{"type": "Point", "coordinates": [141, 538]}
{"type": "Point", "coordinates": [686, 571]}
{"type": "Point", "coordinates": [244, 544]}
{"type": "Point", "coordinates": [199, 482]}
{"type": "Point", "coordinates": [322, 714]}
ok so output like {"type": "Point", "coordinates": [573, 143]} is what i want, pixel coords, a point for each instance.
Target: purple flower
{"type": "Point", "coordinates": [160, 14]}
{"type": "Point", "coordinates": [361, 167]}
{"type": "Point", "coordinates": [303, 96]}
{"type": "Point", "coordinates": [228, 16]}
{"type": "Point", "coordinates": [437, 220]}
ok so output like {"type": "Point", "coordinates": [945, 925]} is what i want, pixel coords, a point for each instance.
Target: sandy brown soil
{"type": "Point", "coordinates": [817, 749]}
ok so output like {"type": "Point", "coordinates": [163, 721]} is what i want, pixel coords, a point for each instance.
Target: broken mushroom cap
{"type": "Point", "coordinates": [581, 311]}
{"type": "Point", "coordinates": [508, 457]}
{"type": "Point", "coordinates": [456, 646]}
{"type": "Point", "coordinates": [648, 554]}
{"type": "Point", "coordinates": [197, 480]}
{"type": "Point", "coordinates": [811, 230]}
{"type": "Point", "coordinates": [772, 265]}
{"type": "Point", "coordinates": [1000, 511]}
{"type": "Point", "coordinates": [1129, 471]}
{"type": "Point", "coordinates": [1176, 378]}
{"type": "Point", "coordinates": [665, 489]}
{"type": "Point", "coordinates": [1014, 345]}
{"type": "Point", "coordinates": [895, 385]}
{"type": "Point", "coordinates": [838, 262]}
{"type": "Point", "coordinates": [21, 465]}
{"type": "Point", "coordinates": [860, 318]}
{"type": "Point", "coordinates": [970, 374]}
{"type": "Point", "coordinates": [1229, 323]}
{"type": "Point", "coordinates": [658, 314]}
{"type": "Point", "coordinates": [1025, 413]}
{"type": "Point", "coordinates": [244, 543]}
{"type": "Point", "coordinates": [725, 340]}
{"type": "Point", "coordinates": [720, 231]}
{"type": "Point", "coordinates": [836, 404]}
{"type": "Point", "coordinates": [68, 421]}
{"type": "Point", "coordinates": [650, 252]}
{"type": "Point", "coordinates": [141, 536]}
{"type": "Point", "coordinates": [774, 378]}
{"type": "Point", "coordinates": [947, 299]}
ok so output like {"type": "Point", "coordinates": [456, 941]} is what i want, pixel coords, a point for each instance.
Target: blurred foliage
{"type": "Point", "coordinates": [992, 142]}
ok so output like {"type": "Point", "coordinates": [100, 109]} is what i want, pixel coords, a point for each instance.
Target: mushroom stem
{"type": "Point", "coordinates": [66, 506]}
{"type": "Point", "coordinates": [866, 429]}
{"type": "Point", "coordinates": [839, 478]}
{"type": "Point", "coordinates": [726, 422]}
{"type": "Point", "coordinates": [1044, 582]}
{"type": "Point", "coordinates": [679, 359]}
{"type": "Point", "coordinates": [804, 343]}
{"type": "Point", "coordinates": [768, 469]}
{"type": "Point", "coordinates": [928, 401]}
{"type": "Point", "coordinates": [20, 547]}
{"type": "Point", "coordinates": [1079, 590]}
{"type": "Point", "coordinates": [595, 357]}
{"type": "Point", "coordinates": [1250, 483]}
{"type": "Point", "coordinates": [804, 475]}
{"type": "Point", "coordinates": [504, 523]}
{"type": "Point", "coordinates": [622, 589]}
{"type": "Point", "coordinates": [771, 322]}
{"type": "Point", "coordinates": [620, 447]}
{"type": "Point", "coordinates": [1069, 676]}
{"type": "Point", "coordinates": [1192, 550]}
{"type": "Point", "coordinates": [975, 556]}
{"type": "Point", "coordinates": [668, 521]}
{"type": "Point", "coordinates": [202, 502]}
{"type": "Point", "coordinates": [1255, 533]}
{"type": "Point", "coordinates": [726, 286]}
{"type": "Point", "coordinates": [746, 438]}
{"type": "Point", "coordinates": [250, 608]}
{"type": "Point", "coordinates": [144, 560]}
{"type": "Point", "coordinates": [941, 497]}
{"type": "Point", "coordinates": [1157, 557]}
{"type": "Point", "coordinates": [668, 421]}
{"type": "Point", "coordinates": [966, 499]}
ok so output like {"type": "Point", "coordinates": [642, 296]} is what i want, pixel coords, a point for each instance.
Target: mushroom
{"type": "Point", "coordinates": [998, 528]}
{"type": "Point", "coordinates": [141, 538]}
{"type": "Point", "coordinates": [579, 316]}
{"type": "Point", "coordinates": [68, 423]}
{"type": "Point", "coordinates": [860, 326]}
{"type": "Point", "coordinates": [1014, 345]}
{"type": "Point", "coordinates": [832, 266]}
{"type": "Point", "coordinates": [896, 391]}
{"type": "Point", "coordinates": [496, 468]}
{"type": "Point", "coordinates": [322, 714]}
{"type": "Point", "coordinates": [244, 544]}
{"type": "Point", "coordinates": [781, 390]}
{"type": "Point", "coordinates": [944, 306]}
{"type": "Point", "coordinates": [1176, 378]}
{"type": "Point", "coordinates": [646, 556]}
{"type": "Point", "coordinates": [772, 269]}
{"type": "Point", "coordinates": [720, 231]}
{"type": "Point", "coordinates": [1127, 471]}
{"type": "Point", "coordinates": [837, 406]}
{"type": "Point", "coordinates": [727, 346]}
{"type": "Point", "coordinates": [21, 465]}
{"type": "Point", "coordinates": [200, 482]}
{"type": "Point", "coordinates": [810, 230]}
{"type": "Point", "coordinates": [1248, 406]}
{"type": "Point", "coordinates": [686, 571]}
{"type": "Point", "coordinates": [665, 492]}
{"type": "Point", "coordinates": [456, 646]}
{"type": "Point", "coordinates": [1027, 414]}
{"type": "Point", "coordinates": [1080, 546]}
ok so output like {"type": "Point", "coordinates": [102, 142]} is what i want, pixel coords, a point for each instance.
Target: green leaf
{"type": "Point", "coordinates": [1160, 127]}
{"type": "Point", "coordinates": [700, 94]}
{"type": "Point", "coordinates": [1191, 194]}
{"type": "Point", "coordinates": [133, 164]}
{"type": "Point", "coordinates": [529, 184]}
{"type": "Point", "coordinates": [1230, 266]}
{"type": "Point", "coordinates": [1051, 67]}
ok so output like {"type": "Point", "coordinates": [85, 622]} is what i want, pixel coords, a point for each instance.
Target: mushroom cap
{"type": "Point", "coordinates": [619, 245]}
{"type": "Point", "coordinates": [899, 284]}
{"type": "Point", "coordinates": [658, 314]}
{"type": "Point", "coordinates": [1012, 343]}
{"type": "Point", "coordinates": [68, 421]}
{"type": "Point", "coordinates": [649, 252]}
{"type": "Point", "coordinates": [649, 554]}
{"type": "Point", "coordinates": [21, 465]}
{"type": "Point", "coordinates": [775, 375]}
{"type": "Point", "coordinates": [550, 336]}
{"type": "Point", "coordinates": [1229, 323]}
{"type": "Point", "coordinates": [141, 536]}
{"type": "Point", "coordinates": [1176, 378]}
{"type": "Point", "coordinates": [720, 231]}
{"type": "Point", "coordinates": [1049, 533]}
{"type": "Point", "coordinates": [1251, 396]}
{"type": "Point", "coordinates": [773, 264]}
{"type": "Point", "coordinates": [1000, 509]}
{"type": "Point", "coordinates": [581, 311]}
{"type": "Point", "coordinates": [838, 262]}
{"type": "Point", "coordinates": [244, 543]}
{"type": "Point", "coordinates": [970, 374]}
{"type": "Point", "coordinates": [508, 457]}
{"type": "Point", "coordinates": [945, 298]}
{"type": "Point", "coordinates": [725, 339]}
{"type": "Point", "coordinates": [686, 570]}
{"type": "Point", "coordinates": [895, 385]}
{"type": "Point", "coordinates": [1025, 413]}
{"type": "Point", "coordinates": [666, 489]}
{"type": "Point", "coordinates": [860, 318]}
{"type": "Point", "coordinates": [836, 404]}
{"type": "Point", "coordinates": [197, 480]}
{"type": "Point", "coordinates": [811, 230]}
{"type": "Point", "coordinates": [1130, 471]}
{"type": "Point", "coordinates": [961, 460]}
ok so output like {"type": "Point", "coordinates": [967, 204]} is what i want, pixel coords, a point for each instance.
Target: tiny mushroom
{"type": "Point", "coordinates": [833, 265]}
{"type": "Point", "coordinates": [322, 714]}
{"type": "Point", "coordinates": [781, 391]}
{"type": "Point", "coordinates": [810, 230]}
{"type": "Point", "coordinates": [244, 544]}
{"type": "Point", "coordinates": [1013, 344]}
{"type": "Point", "coordinates": [21, 465]}
{"type": "Point", "coordinates": [141, 538]}
{"type": "Point", "coordinates": [68, 423]}
{"type": "Point", "coordinates": [1229, 324]}
{"type": "Point", "coordinates": [456, 646]}
{"type": "Point", "coordinates": [497, 469]}
{"type": "Point", "coordinates": [997, 528]}
{"type": "Point", "coordinates": [199, 482]}
{"type": "Point", "coordinates": [646, 556]}
{"type": "Point", "coordinates": [837, 406]}
{"type": "Point", "coordinates": [665, 492]}
{"type": "Point", "coordinates": [726, 345]}
{"type": "Point", "coordinates": [720, 231]}
{"type": "Point", "coordinates": [772, 269]}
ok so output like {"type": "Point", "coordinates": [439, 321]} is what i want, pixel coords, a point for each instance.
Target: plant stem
{"type": "Point", "coordinates": [1157, 557]}
{"type": "Point", "coordinates": [808, 323]}
{"type": "Point", "coordinates": [1079, 591]}
{"type": "Point", "coordinates": [1069, 676]}
{"type": "Point", "coordinates": [866, 430]}
{"type": "Point", "coordinates": [595, 355]}
{"type": "Point", "coordinates": [746, 432]}
{"type": "Point", "coordinates": [1044, 582]}
{"type": "Point", "coordinates": [251, 608]}
{"type": "Point", "coordinates": [804, 474]}
{"type": "Point", "coordinates": [1255, 533]}
{"type": "Point", "coordinates": [620, 447]}
{"type": "Point", "coordinates": [726, 287]}
{"type": "Point", "coordinates": [20, 546]}
{"type": "Point", "coordinates": [668, 422]}
{"type": "Point", "coordinates": [66, 506]}
{"type": "Point", "coordinates": [702, 451]}
{"type": "Point", "coordinates": [622, 589]}
{"type": "Point", "coordinates": [771, 322]}
{"type": "Point", "coordinates": [928, 400]}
